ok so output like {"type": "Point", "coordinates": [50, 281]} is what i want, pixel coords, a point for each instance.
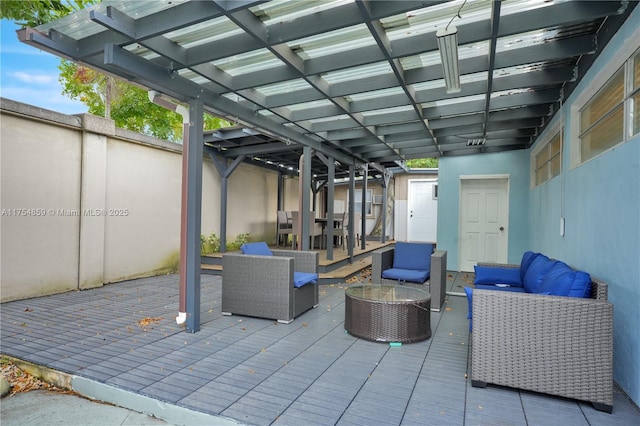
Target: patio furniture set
{"type": "Point", "coordinates": [554, 339]}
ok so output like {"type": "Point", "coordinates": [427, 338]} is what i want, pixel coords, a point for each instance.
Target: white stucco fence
{"type": "Point", "coordinates": [84, 203]}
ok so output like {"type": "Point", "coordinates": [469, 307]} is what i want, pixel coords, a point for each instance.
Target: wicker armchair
{"type": "Point", "coordinates": [262, 286]}
{"type": "Point", "coordinates": [551, 344]}
{"type": "Point", "coordinates": [382, 259]}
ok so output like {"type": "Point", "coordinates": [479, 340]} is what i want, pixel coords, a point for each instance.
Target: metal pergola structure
{"type": "Point", "coordinates": [342, 84]}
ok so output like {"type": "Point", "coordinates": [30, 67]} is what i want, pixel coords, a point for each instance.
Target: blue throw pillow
{"type": "Point", "coordinates": [304, 278]}
{"type": "Point", "coordinates": [527, 258]}
{"type": "Point", "coordinates": [260, 248]}
{"type": "Point", "coordinates": [496, 275]}
{"type": "Point", "coordinates": [413, 256]}
{"type": "Point", "coordinates": [561, 280]}
{"type": "Point", "coordinates": [536, 272]}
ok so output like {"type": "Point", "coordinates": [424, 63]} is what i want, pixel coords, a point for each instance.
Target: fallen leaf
{"type": "Point", "coordinates": [144, 322]}
{"type": "Point", "coordinates": [21, 381]}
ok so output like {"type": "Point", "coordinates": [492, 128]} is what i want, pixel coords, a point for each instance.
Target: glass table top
{"type": "Point", "coordinates": [387, 293]}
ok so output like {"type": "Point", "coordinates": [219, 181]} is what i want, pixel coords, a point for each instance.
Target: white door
{"type": "Point", "coordinates": [422, 212]}
{"type": "Point", "coordinates": [484, 214]}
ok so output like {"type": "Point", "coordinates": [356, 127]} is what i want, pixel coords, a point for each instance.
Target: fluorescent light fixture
{"type": "Point", "coordinates": [448, 45]}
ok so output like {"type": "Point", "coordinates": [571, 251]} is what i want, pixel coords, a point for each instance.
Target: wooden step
{"type": "Point", "coordinates": [346, 272]}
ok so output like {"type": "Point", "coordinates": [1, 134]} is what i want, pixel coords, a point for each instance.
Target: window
{"type": "Point", "coordinates": [548, 161]}
{"type": "Point", "coordinates": [602, 119]}
{"type": "Point", "coordinates": [358, 202]}
{"type": "Point", "coordinates": [636, 95]}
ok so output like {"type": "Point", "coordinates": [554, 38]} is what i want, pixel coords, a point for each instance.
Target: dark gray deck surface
{"type": "Point", "coordinates": [260, 372]}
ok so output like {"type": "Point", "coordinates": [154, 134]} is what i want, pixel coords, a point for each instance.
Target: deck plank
{"type": "Point", "coordinates": [308, 372]}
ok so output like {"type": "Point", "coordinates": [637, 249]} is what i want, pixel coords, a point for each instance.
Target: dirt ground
{"type": "Point", "coordinates": [22, 381]}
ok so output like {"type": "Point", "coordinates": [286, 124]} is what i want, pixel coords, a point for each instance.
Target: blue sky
{"type": "Point", "coordinates": [30, 75]}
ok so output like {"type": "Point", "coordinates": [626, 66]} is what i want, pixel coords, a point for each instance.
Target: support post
{"type": "Point", "coordinates": [192, 154]}
{"type": "Point", "coordinates": [386, 178]}
{"type": "Point", "coordinates": [352, 204]}
{"type": "Point", "coordinates": [363, 206]}
{"type": "Point", "coordinates": [331, 170]}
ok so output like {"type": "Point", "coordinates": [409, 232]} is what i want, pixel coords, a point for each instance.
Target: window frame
{"type": "Point", "coordinates": [368, 202]}
{"type": "Point", "coordinates": [623, 60]}
{"type": "Point", "coordinates": [556, 133]}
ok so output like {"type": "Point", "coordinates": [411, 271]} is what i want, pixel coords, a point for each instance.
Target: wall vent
{"type": "Point", "coordinates": [476, 142]}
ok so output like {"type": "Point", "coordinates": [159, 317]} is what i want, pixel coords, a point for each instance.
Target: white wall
{"type": "Point", "coordinates": [40, 182]}
{"type": "Point", "coordinates": [84, 203]}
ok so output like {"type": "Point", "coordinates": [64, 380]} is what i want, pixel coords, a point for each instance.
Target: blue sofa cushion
{"type": "Point", "coordinates": [469, 293]}
{"type": "Point", "coordinates": [535, 273]}
{"type": "Point", "coordinates": [527, 258]}
{"type": "Point", "coordinates": [497, 275]}
{"type": "Point", "coordinates": [413, 256]}
{"type": "Point", "coordinates": [561, 280]}
{"type": "Point", "coordinates": [501, 287]}
{"type": "Point", "coordinates": [260, 248]}
{"type": "Point", "coordinates": [411, 275]}
{"type": "Point", "coordinates": [304, 278]}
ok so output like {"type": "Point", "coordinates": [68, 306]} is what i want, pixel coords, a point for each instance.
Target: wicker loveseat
{"type": "Point", "coordinates": [544, 343]}
{"type": "Point", "coordinates": [264, 286]}
{"type": "Point", "coordinates": [385, 259]}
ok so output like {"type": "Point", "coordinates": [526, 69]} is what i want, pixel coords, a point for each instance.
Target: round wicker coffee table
{"type": "Point", "coordinates": [387, 313]}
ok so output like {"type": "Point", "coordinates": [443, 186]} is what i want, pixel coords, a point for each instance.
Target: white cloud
{"type": "Point", "coordinates": [34, 77]}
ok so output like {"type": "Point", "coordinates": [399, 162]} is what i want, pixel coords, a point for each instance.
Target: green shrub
{"type": "Point", "coordinates": [239, 241]}
{"type": "Point", "coordinates": [210, 244]}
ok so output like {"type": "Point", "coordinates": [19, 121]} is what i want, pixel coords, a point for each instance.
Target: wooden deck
{"type": "Point", "coordinates": [121, 344]}
{"type": "Point", "coordinates": [339, 269]}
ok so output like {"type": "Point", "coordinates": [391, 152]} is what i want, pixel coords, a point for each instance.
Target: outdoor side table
{"type": "Point", "coordinates": [387, 313]}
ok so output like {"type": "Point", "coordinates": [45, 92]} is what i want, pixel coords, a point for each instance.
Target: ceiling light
{"type": "Point", "coordinates": [448, 45]}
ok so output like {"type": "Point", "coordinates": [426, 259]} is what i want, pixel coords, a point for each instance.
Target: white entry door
{"type": "Point", "coordinates": [484, 216]}
{"type": "Point", "coordinates": [422, 214]}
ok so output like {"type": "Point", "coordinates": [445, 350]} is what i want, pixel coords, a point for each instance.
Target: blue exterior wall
{"type": "Point", "coordinates": [512, 163]}
{"type": "Point", "coordinates": [601, 206]}
{"type": "Point", "coordinates": [600, 201]}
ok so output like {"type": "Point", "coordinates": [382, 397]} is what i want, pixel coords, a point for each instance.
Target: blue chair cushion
{"type": "Point", "coordinates": [497, 275]}
{"type": "Point", "coordinates": [535, 273]}
{"type": "Point", "coordinates": [469, 293]}
{"type": "Point", "coordinates": [260, 248]}
{"type": "Point", "coordinates": [304, 278]}
{"type": "Point", "coordinates": [411, 275]}
{"type": "Point", "coordinates": [500, 287]}
{"type": "Point", "coordinates": [412, 256]}
{"type": "Point", "coordinates": [561, 280]}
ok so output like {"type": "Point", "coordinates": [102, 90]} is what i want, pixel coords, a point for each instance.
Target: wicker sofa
{"type": "Point", "coordinates": [544, 343]}
{"type": "Point", "coordinates": [435, 284]}
{"type": "Point", "coordinates": [263, 286]}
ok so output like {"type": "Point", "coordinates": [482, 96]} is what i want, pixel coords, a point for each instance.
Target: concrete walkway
{"type": "Point", "coordinates": [46, 408]}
